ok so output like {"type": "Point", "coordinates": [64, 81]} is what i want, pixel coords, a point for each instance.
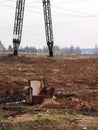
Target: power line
{"type": "Point", "coordinates": [58, 12]}
{"type": "Point", "coordinates": [74, 11]}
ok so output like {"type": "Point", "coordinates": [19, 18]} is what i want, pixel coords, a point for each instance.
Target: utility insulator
{"type": "Point", "coordinates": [48, 26]}
{"type": "Point", "coordinates": [18, 25]}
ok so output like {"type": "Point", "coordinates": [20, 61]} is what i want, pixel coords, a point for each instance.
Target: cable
{"type": "Point", "coordinates": [74, 1]}
{"type": "Point", "coordinates": [73, 11]}
{"type": "Point", "coordinates": [32, 8]}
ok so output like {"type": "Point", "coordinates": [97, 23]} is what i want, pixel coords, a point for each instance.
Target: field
{"type": "Point", "coordinates": [68, 75]}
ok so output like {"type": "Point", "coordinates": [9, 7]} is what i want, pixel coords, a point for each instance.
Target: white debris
{"type": "Point", "coordinates": [84, 128]}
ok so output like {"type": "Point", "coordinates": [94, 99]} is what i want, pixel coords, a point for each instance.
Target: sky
{"type": "Point", "coordinates": [75, 22]}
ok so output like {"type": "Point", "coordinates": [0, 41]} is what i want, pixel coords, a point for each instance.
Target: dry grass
{"type": "Point", "coordinates": [68, 74]}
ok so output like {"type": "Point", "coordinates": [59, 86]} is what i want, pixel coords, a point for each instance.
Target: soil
{"type": "Point", "coordinates": [67, 74]}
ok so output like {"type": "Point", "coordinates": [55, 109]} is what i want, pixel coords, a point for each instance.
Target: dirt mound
{"type": "Point", "coordinates": [50, 103]}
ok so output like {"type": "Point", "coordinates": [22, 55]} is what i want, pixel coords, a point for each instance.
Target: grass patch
{"type": "Point", "coordinates": [93, 127]}
{"type": "Point", "coordinates": [41, 119]}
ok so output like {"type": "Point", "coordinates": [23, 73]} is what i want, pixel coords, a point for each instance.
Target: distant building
{"type": "Point", "coordinates": [88, 51]}
{"type": "Point", "coordinates": [2, 48]}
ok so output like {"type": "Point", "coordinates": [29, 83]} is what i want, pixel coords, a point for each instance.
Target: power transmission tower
{"type": "Point", "coordinates": [18, 24]}
{"type": "Point", "coordinates": [48, 25]}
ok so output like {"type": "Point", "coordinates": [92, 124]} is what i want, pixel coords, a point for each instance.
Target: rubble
{"type": "Point", "coordinates": [62, 95]}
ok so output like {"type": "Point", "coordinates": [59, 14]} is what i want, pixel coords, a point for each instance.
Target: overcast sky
{"type": "Point", "coordinates": [75, 22]}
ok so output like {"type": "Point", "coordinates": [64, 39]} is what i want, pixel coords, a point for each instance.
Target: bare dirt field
{"type": "Point", "coordinates": [67, 74]}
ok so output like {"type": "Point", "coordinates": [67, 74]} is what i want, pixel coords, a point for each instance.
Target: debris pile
{"type": "Point", "coordinates": [62, 95]}
{"type": "Point", "coordinates": [13, 96]}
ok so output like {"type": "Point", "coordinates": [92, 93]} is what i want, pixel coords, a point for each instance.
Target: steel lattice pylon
{"type": "Point", "coordinates": [48, 25]}
{"type": "Point", "coordinates": [18, 24]}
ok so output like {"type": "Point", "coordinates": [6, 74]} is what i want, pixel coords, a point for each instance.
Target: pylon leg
{"type": "Point", "coordinates": [18, 25]}
{"type": "Point", "coordinates": [50, 47]}
{"type": "Point", "coordinates": [15, 53]}
{"type": "Point", "coordinates": [48, 26]}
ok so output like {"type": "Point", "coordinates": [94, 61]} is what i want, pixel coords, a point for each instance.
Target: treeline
{"type": "Point", "coordinates": [56, 49]}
